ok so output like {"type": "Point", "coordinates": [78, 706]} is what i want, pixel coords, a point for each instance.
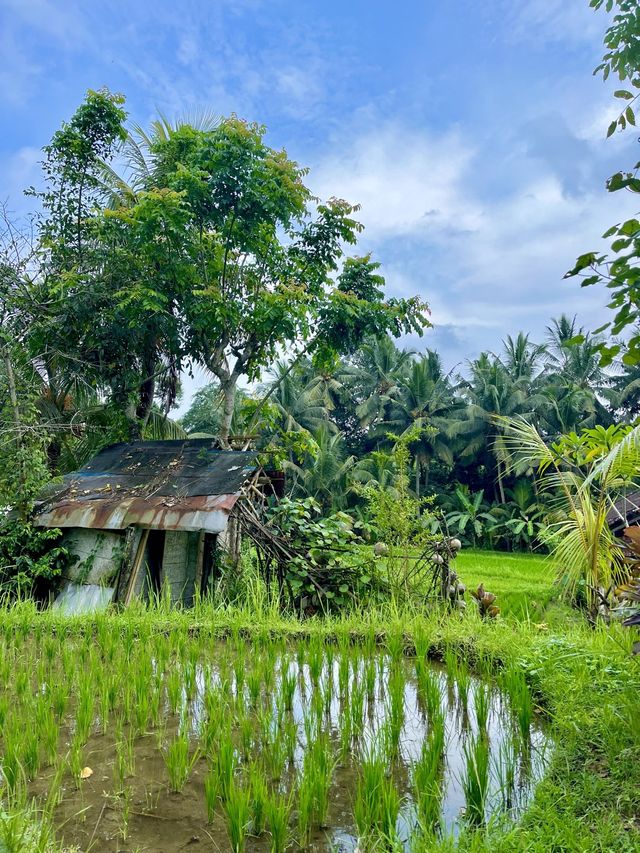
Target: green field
{"type": "Point", "coordinates": [524, 583]}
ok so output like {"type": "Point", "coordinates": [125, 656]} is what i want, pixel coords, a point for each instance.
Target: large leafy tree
{"type": "Point", "coordinates": [260, 264]}
{"type": "Point", "coordinates": [213, 252]}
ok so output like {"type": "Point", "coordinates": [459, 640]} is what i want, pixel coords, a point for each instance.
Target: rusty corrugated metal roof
{"type": "Point", "coordinates": [166, 485]}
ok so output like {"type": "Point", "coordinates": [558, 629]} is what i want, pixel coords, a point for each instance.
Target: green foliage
{"type": "Point", "coordinates": [618, 271]}
{"type": "Point", "coordinates": [31, 558]}
{"type": "Point", "coordinates": [323, 574]}
{"type": "Point", "coordinates": [397, 517]}
{"type": "Point", "coordinates": [586, 474]}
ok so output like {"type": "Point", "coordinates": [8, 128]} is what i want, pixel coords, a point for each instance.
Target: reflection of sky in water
{"type": "Point", "coordinates": [461, 727]}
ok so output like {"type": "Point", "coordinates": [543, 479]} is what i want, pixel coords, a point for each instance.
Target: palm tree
{"type": "Point", "coordinates": [575, 384]}
{"type": "Point", "coordinates": [491, 392]}
{"type": "Point", "coordinates": [381, 366]}
{"type": "Point", "coordinates": [301, 405]}
{"type": "Point", "coordinates": [522, 357]}
{"type": "Point", "coordinates": [426, 399]}
{"type": "Point", "coordinates": [122, 189]}
{"type": "Point", "coordinates": [323, 475]}
{"type": "Point", "coordinates": [587, 550]}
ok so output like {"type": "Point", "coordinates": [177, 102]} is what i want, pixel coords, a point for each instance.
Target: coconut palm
{"type": "Point", "coordinates": [575, 384]}
{"type": "Point", "coordinates": [301, 405]}
{"type": "Point", "coordinates": [425, 399]}
{"type": "Point", "coordinates": [586, 551]}
{"type": "Point", "coordinates": [491, 392]}
{"type": "Point", "coordinates": [381, 366]}
{"type": "Point", "coordinates": [138, 158]}
{"type": "Point", "coordinates": [522, 358]}
{"type": "Point", "coordinates": [323, 475]}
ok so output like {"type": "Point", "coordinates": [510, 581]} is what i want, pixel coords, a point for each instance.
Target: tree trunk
{"type": "Point", "coordinates": [228, 388]}
{"type": "Point", "coordinates": [500, 483]}
{"type": "Point", "coordinates": [417, 479]}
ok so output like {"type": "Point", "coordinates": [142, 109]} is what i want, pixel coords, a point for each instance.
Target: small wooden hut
{"type": "Point", "coordinates": [147, 516]}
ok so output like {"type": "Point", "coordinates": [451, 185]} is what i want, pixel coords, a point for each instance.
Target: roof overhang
{"type": "Point", "coordinates": [199, 512]}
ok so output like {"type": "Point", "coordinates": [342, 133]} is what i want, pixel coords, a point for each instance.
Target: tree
{"type": "Point", "coordinates": [574, 379]}
{"type": "Point", "coordinates": [258, 254]}
{"type": "Point", "coordinates": [324, 474]}
{"type": "Point", "coordinates": [584, 473]}
{"type": "Point", "coordinates": [427, 401]}
{"type": "Point", "coordinates": [619, 271]}
{"type": "Point", "coordinates": [491, 391]}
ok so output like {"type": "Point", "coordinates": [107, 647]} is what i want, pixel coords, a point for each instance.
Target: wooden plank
{"type": "Point", "coordinates": [135, 569]}
{"type": "Point", "coordinates": [197, 585]}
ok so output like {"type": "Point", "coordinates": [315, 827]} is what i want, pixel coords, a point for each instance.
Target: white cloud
{"type": "Point", "coordinates": [551, 20]}
{"type": "Point", "coordinates": [407, 182]}
{"type": "Point", "coordinates": [489, 264]}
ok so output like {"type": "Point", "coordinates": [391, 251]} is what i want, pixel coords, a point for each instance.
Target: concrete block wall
{"type": "Point", "coordinates": [98, 553]}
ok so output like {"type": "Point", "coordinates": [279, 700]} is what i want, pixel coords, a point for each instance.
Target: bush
{"type": "Point", "coordinates": [31, 558]}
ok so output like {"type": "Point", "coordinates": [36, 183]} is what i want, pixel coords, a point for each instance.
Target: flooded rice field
{"type": "Point", "coordinates": [165, 742]}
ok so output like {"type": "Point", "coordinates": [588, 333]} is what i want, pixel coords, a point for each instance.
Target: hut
{"type": "Point", "coordinates": [144, 517]}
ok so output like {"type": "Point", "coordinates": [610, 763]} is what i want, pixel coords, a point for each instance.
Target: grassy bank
{"type": "Point", "coordinates": [585, 682]}
{"type": "Point", "coordinates": [523, 582]}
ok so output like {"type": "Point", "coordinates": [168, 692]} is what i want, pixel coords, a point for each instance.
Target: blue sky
{"type": "Point", "coordinates": [471, 131]}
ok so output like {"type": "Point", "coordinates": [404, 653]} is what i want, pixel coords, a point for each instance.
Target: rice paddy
{"type": "Point", "coordinates": [160, 739]}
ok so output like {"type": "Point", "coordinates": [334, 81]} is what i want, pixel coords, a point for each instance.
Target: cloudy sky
{"type": "Point", "coordinates": [472, 133]}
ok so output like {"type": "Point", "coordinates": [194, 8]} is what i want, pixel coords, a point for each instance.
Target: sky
{"type": "Point", "coordinates": [472, 132]}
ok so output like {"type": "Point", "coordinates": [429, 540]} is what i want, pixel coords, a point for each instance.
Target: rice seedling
{"type": "Point", "coordinates": [395, 645]}
{"type": "Point", "coordinates": [259, 796]}
{"type": "Point", "coordinates": [377, 802]}
{"type": "Point", "coordinates": [343, 675]}
{"type": "Point", "coordinates": [345, 738]}
{"type": "Point", "coordinates": [427, 780]}
{"type": "Point", "coordinates": [174, 691]}
{"type": "Point", "coordinates": [125, 812]}
{"type": "Point", "coordinates": [254, 685]}
{"type": "Point", "coordinates": [48, 732]}
{"type": "Point", "coordinates": [278, 810]}
{"type": "Point", "coordinates": [481, 705]}
{"type": "Point", "coordinates": [288, 683]}
{"type": "Point", "coordinates": [476, 779]}
{"type": "Point", "coordinates": [237, 806]}
{"type": "Point", "coordinates": [211, 792]}
{"type": "Point", "coordinates": [370, 677]}
{"type": "Point", "coordinates": [463, 683]}
{"type": "Point", "coordinates": [315, 658]}
{"type": "Point", "coordinates": [55, 789]}
{"type": "Point", "coordinates": [247, 730]}
{"type": "Point", "coordinates": [225, 763]}
{"type": "Point", "coordinates": [179, 762]}
{"type": "Point", "coordinates": [356, 708]}
{"type": "Point", "coordinates": [305, 810]}
{"type": "Point", "coordinates": [506, 768]}
{"type": "Point", "coordinates": [75, 761]}
{"type": "Point", "coordinates": [289, 730]}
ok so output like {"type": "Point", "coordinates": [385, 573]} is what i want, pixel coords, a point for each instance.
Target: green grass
{"type": "Point", "coordinates": [523, 582]}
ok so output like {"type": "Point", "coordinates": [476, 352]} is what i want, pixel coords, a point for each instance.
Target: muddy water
{"type": "Point", "coordinates": [155, 819]}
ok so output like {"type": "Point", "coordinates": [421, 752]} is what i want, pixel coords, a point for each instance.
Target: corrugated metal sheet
{"type": "Point", "coordinates": [165, 485]}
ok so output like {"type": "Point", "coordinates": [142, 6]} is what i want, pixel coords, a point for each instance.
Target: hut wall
{"type": "Point", "coordinates": [179, 565]}
{"type": "Point", "coordinates": [98, 554]}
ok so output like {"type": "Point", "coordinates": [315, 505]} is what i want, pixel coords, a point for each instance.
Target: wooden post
{"type": "Point", "coordinates": [135, 569]}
